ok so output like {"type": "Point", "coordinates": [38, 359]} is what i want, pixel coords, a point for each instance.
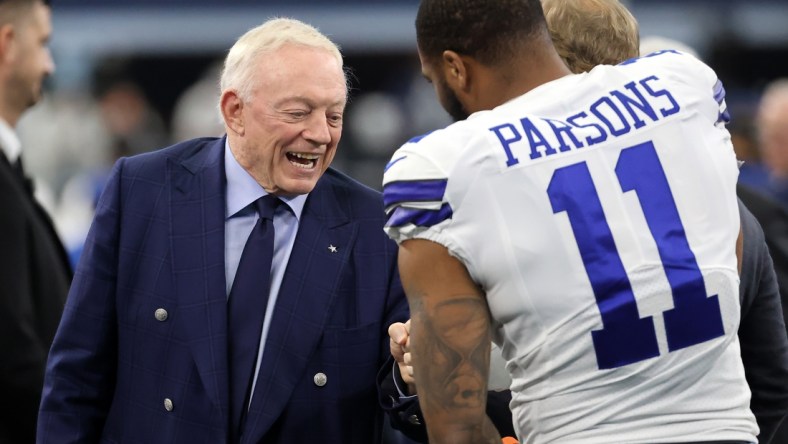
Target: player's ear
{"type": "Point", "coordinates": [7, 39]}
{"type": "Point", "coordinates": [455, 70]}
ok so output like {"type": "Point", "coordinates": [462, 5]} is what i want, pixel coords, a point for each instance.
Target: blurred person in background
{"type": "Point", "coordinates": [195, 113]}
{"type": "Point", "coordinates": [67, 136]}
{"type": "Point", "coordinates": [129, 125]}
{"type": "Point", "coordinates": [753, 174]}
{"type": "Point", "coordinates": [34, 270]}
{"type": "Point", "coordinates": [134, 125]}
{"type": "Point", "coordinates": [78, 135]}
{"type": "Point", "coordinates": [67, 151]}
{"type": "Point", "coordinates": [585, 32]}
{"type": "Point", "coordinates": [772, 129]}
{"type": "Point", "coordinates": [234, 289]}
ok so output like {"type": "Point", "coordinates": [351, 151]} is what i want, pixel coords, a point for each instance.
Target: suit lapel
{"type": "Point", "coordinates": [197, 209]}
{"type": "Point", "coordinates": [25, 192]}
{"type": "Point", "coordinates": [304, 302]}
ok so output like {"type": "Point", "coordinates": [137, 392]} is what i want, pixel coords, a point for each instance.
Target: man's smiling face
{"type": "Point", "coordinates": [293, 119]}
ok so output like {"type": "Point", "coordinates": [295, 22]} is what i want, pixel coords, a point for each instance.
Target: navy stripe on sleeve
{"type": "Point", "coordinates": [419, 217]}
{"type": "Point", "coordinates": [413, 191]}
{"type": "Point", "coordinates": [719, 92]}
{"type": "Point", "coordinates": [719, 96]}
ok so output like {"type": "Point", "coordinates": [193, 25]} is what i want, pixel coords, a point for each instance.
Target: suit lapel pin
{"type": "Point", "coordinates": [332, 248]}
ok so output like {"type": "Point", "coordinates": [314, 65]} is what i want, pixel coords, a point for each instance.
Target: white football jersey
{"type": "Point", "coordinates": [598, 213]}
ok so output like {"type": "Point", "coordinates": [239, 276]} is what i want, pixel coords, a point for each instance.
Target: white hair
{"type": "Point", "coordinates": [239, 66]}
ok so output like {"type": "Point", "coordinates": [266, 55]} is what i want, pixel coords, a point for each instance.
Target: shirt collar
{"type": "Point", "coordinates": [9, 142]}
{"type": "Point", "coordinates": [242, 189]}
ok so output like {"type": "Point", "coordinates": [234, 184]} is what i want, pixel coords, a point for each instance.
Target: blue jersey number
{"type": "Point", "coordinates": [626, 337]}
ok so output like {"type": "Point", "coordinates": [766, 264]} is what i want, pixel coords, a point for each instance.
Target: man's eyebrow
{"type": "Point", "coordinates": [306, 101]}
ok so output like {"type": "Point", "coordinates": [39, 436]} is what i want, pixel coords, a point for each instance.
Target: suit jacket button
{"type": "Point", "coordinates": [320, 379]}
{"type": "Point", "coordinates": [413, 419]}
{"type": "Point", "coordinates": [168, 404]}
{"type": "Point", "coordinates": [161, 314]}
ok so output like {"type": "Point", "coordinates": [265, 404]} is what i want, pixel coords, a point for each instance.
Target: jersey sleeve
{"type": "Point", "coordinates": [414, 192]}
{"type": "Point", "coordinates": [717, 90]}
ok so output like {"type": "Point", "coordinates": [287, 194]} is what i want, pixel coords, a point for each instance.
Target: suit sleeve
{"type": "Point", "coordinates": [764, 344]}
{"type": "Point", "coordinates": [80, 376]}
{"type": "Point", "coordinates": [405, 413]}
{"type": "Point", "coordinates": [24, 351]}
{"type": "Point", "coordinates": [397, 307]}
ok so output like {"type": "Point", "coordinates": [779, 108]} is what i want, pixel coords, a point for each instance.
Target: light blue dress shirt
{"type": "Point", "coordinates": [240, 218]}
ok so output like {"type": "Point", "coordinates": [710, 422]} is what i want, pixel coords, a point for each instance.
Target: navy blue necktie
{"type": "Point", "coordinates": [246, 310]}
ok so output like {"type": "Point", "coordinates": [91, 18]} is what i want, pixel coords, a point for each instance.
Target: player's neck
{"type": "Point", "coordinates": [504, 84]}
{"type": "Point", "coordinates": [535, 72]}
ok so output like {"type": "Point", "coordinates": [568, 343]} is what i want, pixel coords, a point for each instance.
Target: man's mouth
{"type": "Point", "coordinates": [303, 160]}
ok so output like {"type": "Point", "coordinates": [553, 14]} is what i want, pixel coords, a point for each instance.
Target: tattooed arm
{"type": "Point", "coordinates": [450, 329]}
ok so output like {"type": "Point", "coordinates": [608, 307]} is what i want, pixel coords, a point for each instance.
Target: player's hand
{"type": "Point", "coordinates": [399, 343]}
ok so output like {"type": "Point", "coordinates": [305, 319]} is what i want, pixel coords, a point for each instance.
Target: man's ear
{"type": "Point", "coordinates": [7, 38]}
{"type": "Point", "coordinates": [456, 70]}
{"type": "Point", "coordinates": [231, 105]}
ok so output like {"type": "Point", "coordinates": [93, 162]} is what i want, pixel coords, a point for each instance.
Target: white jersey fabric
{"type": "Point", "coordinates": [598, 213]}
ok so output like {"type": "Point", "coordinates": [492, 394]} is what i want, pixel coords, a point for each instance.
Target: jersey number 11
{"type": "Point", "coordinates": [626, 337]}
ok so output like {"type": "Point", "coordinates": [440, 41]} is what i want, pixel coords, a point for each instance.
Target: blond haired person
{"type": "Point", "coordinates": [587, 33]}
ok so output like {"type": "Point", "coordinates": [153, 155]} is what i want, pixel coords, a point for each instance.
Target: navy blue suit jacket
{"type": "Point", "coordinates": [117, 373]}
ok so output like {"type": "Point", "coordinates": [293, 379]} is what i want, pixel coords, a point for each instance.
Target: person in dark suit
{"type": "Point", "coordinates": [774, 220]}
{"type": "Point", "coordinates": [34, 270]}
{"type": "Point", "coordinates": [167, 336]}
{"type": "Point", "coordinates": [760, 350]}
{"type": "Point", "coordinates": [764, 350]}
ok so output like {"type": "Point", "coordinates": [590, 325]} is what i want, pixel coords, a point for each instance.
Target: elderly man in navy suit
{"type": "Point", "coordinates": [236, 289]}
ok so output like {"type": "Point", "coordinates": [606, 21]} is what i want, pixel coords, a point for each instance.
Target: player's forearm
{"type": "Point", "coordinates": [451, 338]}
